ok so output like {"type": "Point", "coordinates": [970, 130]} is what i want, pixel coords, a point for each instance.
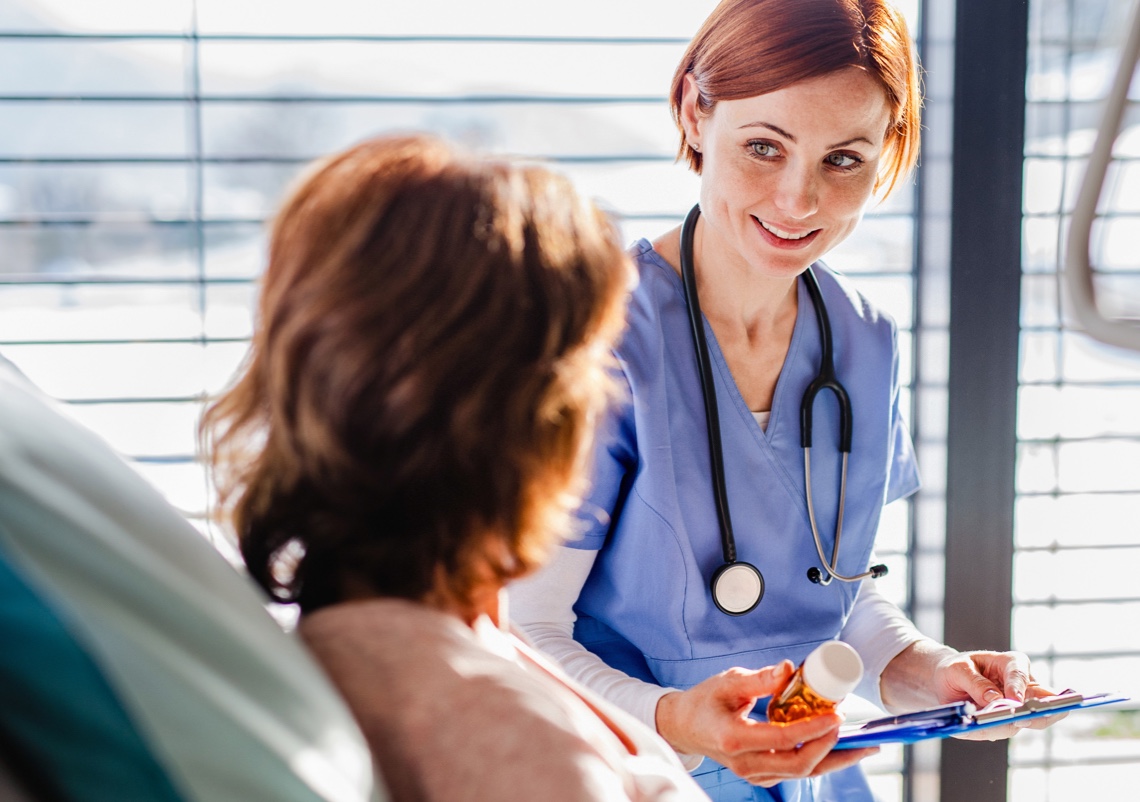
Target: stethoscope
{"type": "Point", "coordinates": [737, 586]}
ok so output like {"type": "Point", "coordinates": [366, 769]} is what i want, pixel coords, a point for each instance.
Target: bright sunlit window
{"type": "Point", "coordinates": [146, 144]}
{"type": "Point", "coordinates": [1078, 470]}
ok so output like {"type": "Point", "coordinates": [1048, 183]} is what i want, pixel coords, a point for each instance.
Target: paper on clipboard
{"type": "Point", "coordinates": [963, 717]}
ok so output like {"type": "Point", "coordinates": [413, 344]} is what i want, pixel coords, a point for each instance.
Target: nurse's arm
{"type": "Point", "coordinates": [712, 719]}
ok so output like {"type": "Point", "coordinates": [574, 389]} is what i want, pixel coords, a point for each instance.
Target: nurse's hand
{"type": "Point", "coordinates": [985, 677]}
{"type": "Point", "coordinates": [712, 719]}
{"type": "Point", "coordinates": [929, 673]}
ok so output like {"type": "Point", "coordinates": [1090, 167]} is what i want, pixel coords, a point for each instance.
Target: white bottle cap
{"type": "Point", "coordinates": [833, 670]}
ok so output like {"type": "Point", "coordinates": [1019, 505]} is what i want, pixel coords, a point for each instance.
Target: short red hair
{"type": "Point", "coordinates": [752, 47]}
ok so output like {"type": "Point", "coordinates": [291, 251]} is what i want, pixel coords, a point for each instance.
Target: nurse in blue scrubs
{"type": "Point", "coordinates": [795, 113]}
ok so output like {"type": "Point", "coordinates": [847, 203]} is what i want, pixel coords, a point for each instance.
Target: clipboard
{"type": "Point", "coordinates": [962, 717]}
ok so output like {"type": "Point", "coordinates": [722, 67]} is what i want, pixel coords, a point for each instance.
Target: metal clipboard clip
{"type": "Point", "coordinates": [1003, 709]}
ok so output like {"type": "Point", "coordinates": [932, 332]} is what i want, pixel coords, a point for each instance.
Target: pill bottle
{"type": "Point", "coordinates": [822, 680]}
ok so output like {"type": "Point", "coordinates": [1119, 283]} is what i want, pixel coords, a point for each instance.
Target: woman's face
{"type": "Point", "coordinates": [786, 175]}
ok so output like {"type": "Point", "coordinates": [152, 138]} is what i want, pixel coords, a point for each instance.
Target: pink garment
{"type": "Point", "coordinates": [454, 713]}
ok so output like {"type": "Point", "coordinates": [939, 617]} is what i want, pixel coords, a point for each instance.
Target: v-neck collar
{"type": "Point", "coordinates": [780, 404]}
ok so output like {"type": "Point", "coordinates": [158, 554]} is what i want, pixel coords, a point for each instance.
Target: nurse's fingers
{"type": "Point", "coordinates": [842, 759]}
{"type": "Point", "coordinates": [819, 732]}
{"type": "Point", "coordinates": [736, 690]}
{"type": "Point", "coordinates": [1041, 722]}
{"type": "Point", "coordinates": [712, 714]}
{"type": "Point", "coordinates": [744, 684]}
{"type": "Point", "coordinates": [1014, 676]}
{"type": "Point", "coordinates": [1010, 730]}
{"type": "Point", "coordinates": [1032, 691]}
{"type": "Point", "coordinates": [989, 733]}
{"type": "Point", "coordinates": [810, 759]}
{"type": "Point", "coordinates": [1037, 691]}
{"type": "Point", "coordinates": [1009, 671]}
{"type": "Point", "coordinates": [785, 760]}
{"type": "Point", "coordinates": [966, 673]}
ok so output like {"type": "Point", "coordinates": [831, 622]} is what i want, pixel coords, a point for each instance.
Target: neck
{"type": "Point", "coordinates": [736, 293]}
{"type": "Point", "coordinates": [488, 600]}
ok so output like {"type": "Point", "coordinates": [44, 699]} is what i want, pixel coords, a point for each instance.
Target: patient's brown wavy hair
{"type": "Point", "coordinates": [430, 355]}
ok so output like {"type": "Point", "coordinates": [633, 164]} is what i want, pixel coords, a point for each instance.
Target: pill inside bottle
{"type": "Point", "coordinates": [819, 684]}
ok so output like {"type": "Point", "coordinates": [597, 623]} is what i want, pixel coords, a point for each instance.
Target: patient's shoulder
{"type": "Point", "coordinates": [448, 717]}
{"type": "Point", "coordinates": [404, 662]}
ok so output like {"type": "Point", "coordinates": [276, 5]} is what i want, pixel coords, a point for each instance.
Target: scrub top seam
{"type": "Point", "coordinates": [680, 550]}
{"type": "Point", "coordinates": [786, 480]}
{"type": "Point", "coordinates": [659, 262]}
{"type": "Point", "coordinates": [721, 657]}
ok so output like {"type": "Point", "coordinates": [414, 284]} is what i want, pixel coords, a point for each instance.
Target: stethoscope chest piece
{"type": "Point", "coordinates": [737, 588]}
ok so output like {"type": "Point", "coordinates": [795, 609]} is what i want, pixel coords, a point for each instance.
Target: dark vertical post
{"type": "Point", "coordinates": [985, 299]}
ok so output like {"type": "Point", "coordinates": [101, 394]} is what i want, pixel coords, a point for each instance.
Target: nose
{"type": "Point", "coordinates": [797, 193]}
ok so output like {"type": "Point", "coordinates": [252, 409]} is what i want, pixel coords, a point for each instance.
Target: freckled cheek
{"type": "Point", "coordinates": [739, 186]}
{"type": "Point", "coordinates": [846, 204]}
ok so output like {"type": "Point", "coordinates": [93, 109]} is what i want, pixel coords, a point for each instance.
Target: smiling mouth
{"type": "Point", "coordinates": [779, 232]}
{"type": "Point", "coordinates": [786, 238]}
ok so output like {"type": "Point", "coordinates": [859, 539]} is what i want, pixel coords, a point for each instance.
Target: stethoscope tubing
{"type": "Point", "coordinates": [704, 365]}
{"type": "Point", "coordinates": [825, 380]}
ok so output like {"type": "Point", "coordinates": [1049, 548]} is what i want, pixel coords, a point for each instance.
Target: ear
{"type": "Point", "coordinates": [692, 118]}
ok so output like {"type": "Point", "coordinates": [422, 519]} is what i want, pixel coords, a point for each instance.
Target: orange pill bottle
{"type": "Point", "coordinates": [822, 680]}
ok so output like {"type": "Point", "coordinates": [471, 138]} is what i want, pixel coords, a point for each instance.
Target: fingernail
{"type": "Point", "coordinates": [991, 695]}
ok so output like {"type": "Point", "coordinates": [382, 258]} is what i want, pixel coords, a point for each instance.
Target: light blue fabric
{"type": "Point", "coordinates": [646, 606]}
{"type": "Point", "coordinates": [721, 785]}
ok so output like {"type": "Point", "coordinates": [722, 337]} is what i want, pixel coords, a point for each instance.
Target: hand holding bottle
{"type": "Point", "coordinates": [712, 719]}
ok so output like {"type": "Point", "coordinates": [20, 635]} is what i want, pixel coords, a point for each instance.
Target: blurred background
{"type": "Point", "coordinates": [144, 145]}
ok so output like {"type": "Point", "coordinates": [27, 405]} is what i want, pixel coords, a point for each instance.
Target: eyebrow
{"type": "Point", "coordinates": [791, 138]}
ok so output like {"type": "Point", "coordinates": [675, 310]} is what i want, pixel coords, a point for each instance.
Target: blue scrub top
{"type": "Point", "coordinates": [646, 607]}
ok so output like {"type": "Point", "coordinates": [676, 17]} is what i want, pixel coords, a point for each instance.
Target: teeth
{"type": "Point", "coordinates": [783, 234]}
